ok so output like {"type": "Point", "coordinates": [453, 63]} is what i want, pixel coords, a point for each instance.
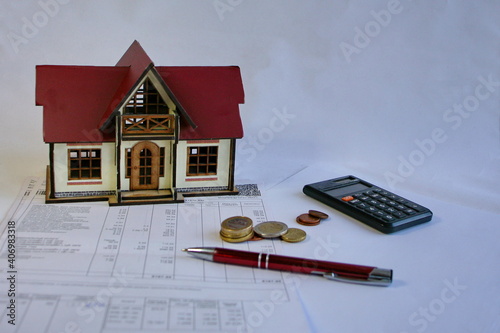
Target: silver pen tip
{"type": "Point", "coordinates": [184, 250]}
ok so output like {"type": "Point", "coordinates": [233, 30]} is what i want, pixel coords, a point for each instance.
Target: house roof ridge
{"type": "Point", "coordinates": [138, 62]}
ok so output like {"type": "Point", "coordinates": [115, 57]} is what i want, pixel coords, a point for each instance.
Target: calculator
{"type": "Point", "coordinates": [370, 204]}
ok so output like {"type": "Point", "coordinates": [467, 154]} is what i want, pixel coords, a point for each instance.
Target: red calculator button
{"type": "Point", "coordinates": [348, 198]}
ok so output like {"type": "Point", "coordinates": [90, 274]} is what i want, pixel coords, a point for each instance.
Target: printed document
{"type": "Point", "coordinates": [88, 267]}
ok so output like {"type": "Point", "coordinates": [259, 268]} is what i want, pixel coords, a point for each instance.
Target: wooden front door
{"type": "Point", "coordinates": [145, 166]}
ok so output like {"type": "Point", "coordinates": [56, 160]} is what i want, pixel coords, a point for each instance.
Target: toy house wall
{"type": "Point", "coordinates": [220, 179]}
{"type": "Point", "coordinates": [66, 187]}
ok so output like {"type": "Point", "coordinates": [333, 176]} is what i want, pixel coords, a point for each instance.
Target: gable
{"type": "Point", "coordinates": [146, 100]}
{"type": "Point", "coordinates": [138, 64]}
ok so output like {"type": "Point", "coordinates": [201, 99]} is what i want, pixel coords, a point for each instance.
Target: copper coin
{"type": "Point", "coordinates": [318, 214]}
{"type": "Point", "coordinates": [308, 219]}
{"type": "Point", "coordinates": [307, 224]}
{"type": "Point", "coordinates": [255, 238]}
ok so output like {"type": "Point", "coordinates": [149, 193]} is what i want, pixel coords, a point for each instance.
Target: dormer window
{"type": "Point", "coordinates": [147, 113]}
{"type": "Point", "coordinates": [147, 100]}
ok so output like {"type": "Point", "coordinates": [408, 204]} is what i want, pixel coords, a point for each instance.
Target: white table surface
{"type": "Point", "coordinates": [404, 94]}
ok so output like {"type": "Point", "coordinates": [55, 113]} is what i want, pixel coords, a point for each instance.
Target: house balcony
{"type": "Point", "coordinates": [148, 125]}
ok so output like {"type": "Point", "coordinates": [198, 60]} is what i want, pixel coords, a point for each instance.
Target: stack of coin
{"type": "Point", "coordinates": [239, 229]}
{"type": "Point", "coordinates": [312, 218]}
{"type": "Point", "coordinates": [236, 229]}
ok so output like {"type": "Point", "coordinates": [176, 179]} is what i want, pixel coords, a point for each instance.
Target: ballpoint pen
{"type": "Point", "coordinates": [331, 270]}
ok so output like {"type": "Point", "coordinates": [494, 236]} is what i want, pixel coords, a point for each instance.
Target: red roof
{"type": "Point", "coordinates": [210, 96]}
{"type": "Point", "coordinates": [79, 100]}
{"type": "Point", "coordinates": [74, 100]}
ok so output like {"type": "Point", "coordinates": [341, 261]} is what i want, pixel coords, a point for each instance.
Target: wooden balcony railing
{"type": "Point", "coordinates": [148, 124]}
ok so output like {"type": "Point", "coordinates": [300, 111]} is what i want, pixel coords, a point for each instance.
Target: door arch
{"type": "Point", "coordinates": [145, 166]}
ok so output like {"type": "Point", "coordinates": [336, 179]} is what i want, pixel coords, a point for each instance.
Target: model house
{"type": "Point", "coordinates": [138, 133]}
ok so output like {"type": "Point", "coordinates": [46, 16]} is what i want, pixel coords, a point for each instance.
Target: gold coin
{"type": "Point", "coordinates": [236, 226]}
{"type": "Point", "coordinates": [237, 240]}
{"type": "Point", "coordinates": [237, 223]}
{"type": "Point", "coordinates": [270, 229]}
{"type": "Point", "coordinates": [235, 234]}
{"type": "Point", "coordinates": [294, 235]}
{"type": "Point", "coordinates": [318, 214]}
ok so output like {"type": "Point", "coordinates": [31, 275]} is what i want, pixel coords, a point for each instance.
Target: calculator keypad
{"type": "Point", "coordinates": [383, 204]}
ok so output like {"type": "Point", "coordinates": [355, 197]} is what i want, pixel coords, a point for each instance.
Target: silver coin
{"type": "Point", "coordinates": [270, 229]}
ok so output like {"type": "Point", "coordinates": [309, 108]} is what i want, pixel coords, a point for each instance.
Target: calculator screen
{"type": "Point", "coordinates": [347, 190]}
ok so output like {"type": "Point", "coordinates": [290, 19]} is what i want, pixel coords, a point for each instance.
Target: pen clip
{"type": "Point", "coordinates": [378, 277]}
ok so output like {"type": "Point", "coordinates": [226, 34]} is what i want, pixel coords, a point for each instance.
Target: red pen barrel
{"type": "Point", "coordinates": [291, 264]}
{"type": "Point", "coordinates": [236, 257]}
{"type": "Point", "coordinates": [309, 266]}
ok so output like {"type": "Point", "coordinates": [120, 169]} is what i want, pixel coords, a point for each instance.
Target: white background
{"type": "Point", "coordinates": [372, 88]}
